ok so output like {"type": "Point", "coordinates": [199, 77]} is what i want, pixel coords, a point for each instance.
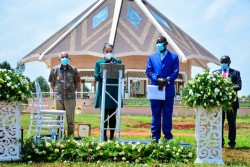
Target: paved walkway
{"type": "Point", "coordinates": [88, 107]}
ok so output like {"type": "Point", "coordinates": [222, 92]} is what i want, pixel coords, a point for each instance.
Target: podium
{"type": "Point", "coordinates": [111, 71]}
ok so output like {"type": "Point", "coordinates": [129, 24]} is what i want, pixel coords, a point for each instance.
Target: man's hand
{"type": "Point", "coordinates": [161, 83]}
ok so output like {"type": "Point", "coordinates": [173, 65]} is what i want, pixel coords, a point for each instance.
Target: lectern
{"type": "Point", "coordinates": [111, 71]}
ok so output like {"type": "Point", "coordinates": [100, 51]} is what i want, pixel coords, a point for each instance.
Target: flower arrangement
{"type": "Point", "coordinates": [78, 108]}
{"type": "Point", "coordinates": [14, 87]}
{"type": "Point", "coordinates": [90, 150]}
{"type": "Point", "coordinates": [52, 107]}
{"type": "Point", "coordinates": [209, 90]}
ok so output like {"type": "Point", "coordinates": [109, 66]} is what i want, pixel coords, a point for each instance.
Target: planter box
{"type": "Point", "coordinates": [10, 132]}
{"type": "Point", "coordinates": [208, 134]}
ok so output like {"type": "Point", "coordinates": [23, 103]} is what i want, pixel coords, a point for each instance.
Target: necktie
{"type": "Point", "coordinates": [224, 73]}
{"type": "Point", "coordinates": [162, 56]}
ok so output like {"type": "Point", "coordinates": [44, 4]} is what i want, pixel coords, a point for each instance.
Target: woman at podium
{"type": "Point", "coordinates": [110, 104]}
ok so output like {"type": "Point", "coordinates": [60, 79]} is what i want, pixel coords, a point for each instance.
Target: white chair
{"type": "Point", "coordinates": [45, 120]}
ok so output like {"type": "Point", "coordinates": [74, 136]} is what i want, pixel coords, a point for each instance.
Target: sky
{"type": "Point", "coordinates": [221, 26]}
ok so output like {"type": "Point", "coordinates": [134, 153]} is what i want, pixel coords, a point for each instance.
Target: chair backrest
{"type": "Point", "coordinates": [39, 96]}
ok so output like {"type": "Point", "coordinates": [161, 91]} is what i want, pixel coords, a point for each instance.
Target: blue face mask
{"type": "Point", "coordinates": [160, 46]}
{"type": "Point", "coordinates": [224, 66]}
{"type": "Point", "coordinates": [65, 61]}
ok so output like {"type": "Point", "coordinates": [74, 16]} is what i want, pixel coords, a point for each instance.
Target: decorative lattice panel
{"type": "Point", "coordinates": [208, 131]}
{"type": "Point", "coordinates": [9, 132]}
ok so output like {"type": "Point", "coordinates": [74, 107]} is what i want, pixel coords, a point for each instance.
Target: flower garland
{"type": "Point", "coordinates": [111, 151]}
{"type": "Point", "coordinates": [209, 90]}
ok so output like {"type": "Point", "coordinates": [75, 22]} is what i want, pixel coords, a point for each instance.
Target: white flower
{"type": "Point", "coordinates": [191, 92]}
{"type": "Point", "coordinates": [190, 154]}
{"type": "Point", "coordinates": [56, 150]}
{"type": "Point", "coordinates": [216, 90]}
{"type": "Point", "coordinates": [9, 84]}
{"type": "Point", "coordinates": [212, 100]}
{"type": "Point", "coordinates": [8, 78]}
{"type": "Point", "coordinates": [213, 79]}
{"type": "Point", "coordinates": [47, 144]}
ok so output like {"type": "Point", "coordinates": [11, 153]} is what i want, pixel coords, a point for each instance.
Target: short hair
{"type": "Point", "coordinates": [162, 39]}
{"type": "Point", "coordinates": [106, 45]}
{"type": "Point", "coordinates": [225, 59]}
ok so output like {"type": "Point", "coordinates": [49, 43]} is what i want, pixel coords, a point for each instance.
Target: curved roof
{"type": "Point", "coordinates": [131, 25]}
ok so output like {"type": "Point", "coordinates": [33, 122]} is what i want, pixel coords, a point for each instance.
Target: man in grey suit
{"type": "Point", "coordinates": [226, 71]}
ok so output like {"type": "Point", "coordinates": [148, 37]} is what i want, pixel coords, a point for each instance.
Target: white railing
{"type": "Point", "coordinates": [79, 95]}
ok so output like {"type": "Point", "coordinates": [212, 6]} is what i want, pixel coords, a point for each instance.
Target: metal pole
{"type": "Point", "coordinates": [103, 105]}
{"type": "Point", "coordinates": [119, 105]}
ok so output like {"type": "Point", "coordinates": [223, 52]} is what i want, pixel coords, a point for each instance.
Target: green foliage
{"type": "Point", "coordinates": [245, 105]}
{"type": "Point", "coordinates": [43, 84]}
{"type": "Point", "coordinates": [13, 87]}
{"type": "Point", "coordinates": [5, 65]}
{"type": "Point", "coordinates": [209, 90]}
{"type": "Point", "coordinates": [20, 67]}
{"type": "Point", "coordinates": [111, 151]}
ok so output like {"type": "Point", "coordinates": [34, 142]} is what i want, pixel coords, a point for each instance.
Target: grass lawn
{"type": "Point", "coordinates": [138, 126]}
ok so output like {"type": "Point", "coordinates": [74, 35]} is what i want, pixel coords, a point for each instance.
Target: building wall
{"type": "Point", "coordinates": [131, 62]}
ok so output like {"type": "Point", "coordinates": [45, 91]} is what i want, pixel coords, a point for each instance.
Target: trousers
{"type": "Point", "coordinates": [69, 106]}
{"type": "Point", "coordinates": [162, 111]}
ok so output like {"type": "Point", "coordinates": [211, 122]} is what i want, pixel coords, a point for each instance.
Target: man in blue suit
{"type": "Point", "coordinates": [225, 71]}
{"type": "Point", "coordinates": [162, 69]}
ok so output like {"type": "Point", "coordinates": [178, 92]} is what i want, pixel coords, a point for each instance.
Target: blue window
{"type": "Point", "coordinates": [100, 17]}
{"type": "Point", "coordinates": [133, 17]}
{"type": "Point", "coordinates": [161, 20]}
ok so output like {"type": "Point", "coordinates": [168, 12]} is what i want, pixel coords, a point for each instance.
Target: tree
{"type": "Point", "coordinates": [5, 65]}
{"type": "Point", "coordinates": [43, 84]}
{"type": "Point", "coordinates": [20, 67]}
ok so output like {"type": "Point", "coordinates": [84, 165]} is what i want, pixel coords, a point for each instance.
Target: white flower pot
{"type": "Point", "coordinates": [208, 134]}
{"type": "Point", "coordinates": [78, 111]}
{"type": "Point", "coordinates": [10, 132]}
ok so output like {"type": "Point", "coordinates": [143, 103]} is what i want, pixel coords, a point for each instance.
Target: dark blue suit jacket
{"type": "Point", "coordinates": [168, 67]}
{"type": "Point", "coordinates": [236, 79]}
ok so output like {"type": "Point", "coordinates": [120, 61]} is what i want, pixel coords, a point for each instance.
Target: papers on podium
{"type": "Point", "coordinates": [154, 93]}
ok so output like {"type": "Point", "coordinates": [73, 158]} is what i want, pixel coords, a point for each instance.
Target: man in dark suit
{"type": "Point", "coordinates": [231, 115]}
{"type": "Point", "coordinates": [162, 69]}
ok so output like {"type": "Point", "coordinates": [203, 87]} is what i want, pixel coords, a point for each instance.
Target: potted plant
{"type": "Point", "coordinates": [14, 91]}
{"type": "Point", "coordinates": [209, 93]}
{"type": "Point", "coordinates": [78, 110]}
{"type": "Point", "coordinates": [52, 107]}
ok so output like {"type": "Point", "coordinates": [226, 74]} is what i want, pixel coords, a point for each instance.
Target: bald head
{"type": "Point", "coordinates": [63, 54]}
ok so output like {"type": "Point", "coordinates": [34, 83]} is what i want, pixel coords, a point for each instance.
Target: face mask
{"type": "Point", "coordinates": [108, 56]}
{"type": "Point", "coordinates": [224, 66]}
{"type": "Point", "coordinates": [160, 46]}
{"type": "Point", "coordinates": [65, 61]}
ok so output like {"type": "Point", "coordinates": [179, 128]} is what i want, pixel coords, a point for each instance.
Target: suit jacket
{"type": "Point", "coordinates": [112, 90]}
{"type": "Point", "coordinates": [168, 67]}
{"type": "Point", "coordinates": [236, 80]}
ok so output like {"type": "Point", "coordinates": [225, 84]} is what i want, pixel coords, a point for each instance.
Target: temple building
{"type": "Point", "coordinates": [132, 26]}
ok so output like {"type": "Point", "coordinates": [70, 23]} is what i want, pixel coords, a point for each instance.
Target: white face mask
{"type": "Point", "coordinates": [108, 56]}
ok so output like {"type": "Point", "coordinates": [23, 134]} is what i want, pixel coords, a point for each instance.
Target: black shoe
{"type": "Point", "coordinates": [105, 138]}
{"type": "Point", "coordinates": [232, 147]}
{"type": "Point", "coordinates": [155, 140]}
